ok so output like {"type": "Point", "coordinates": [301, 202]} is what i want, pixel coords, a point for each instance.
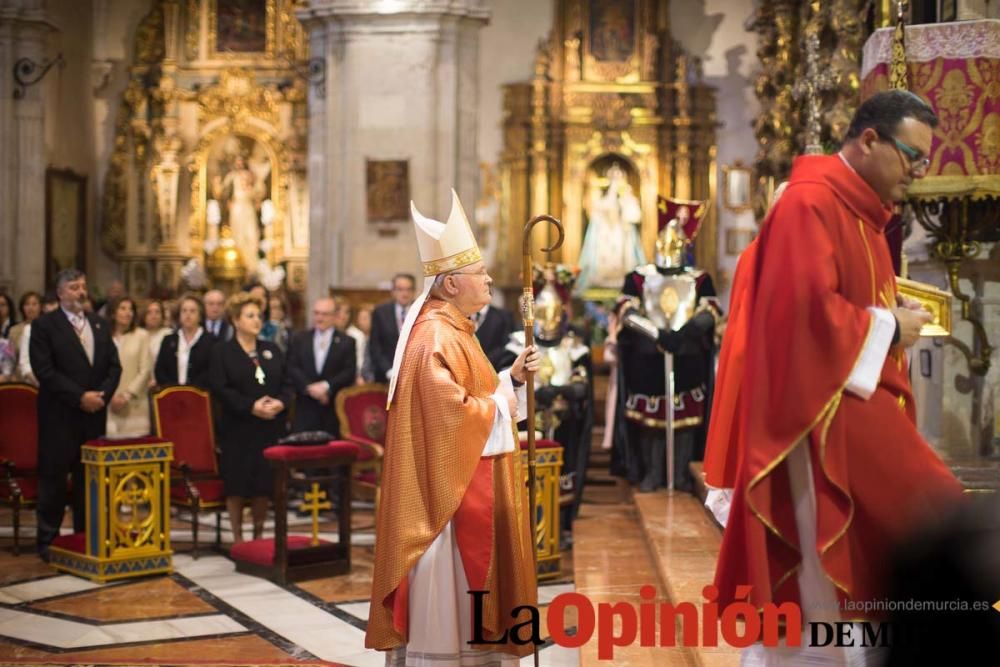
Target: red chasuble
{"type": "Point", "coordinates": [821, 261]}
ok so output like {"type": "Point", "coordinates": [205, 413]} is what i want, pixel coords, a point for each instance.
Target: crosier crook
{"type": "Point", "coordinates": [528, 315]}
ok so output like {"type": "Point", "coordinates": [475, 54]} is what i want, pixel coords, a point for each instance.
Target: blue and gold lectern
{"type": "Point", "coordinates": [128, 512]}
{"type": "Point", "coordinates": [548, 464]}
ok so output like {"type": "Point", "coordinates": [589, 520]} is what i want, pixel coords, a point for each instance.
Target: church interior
{"type": "Point", "coordinates": [182, 152]}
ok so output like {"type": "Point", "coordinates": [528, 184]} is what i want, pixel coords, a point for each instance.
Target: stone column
{"type": "Point", "coordinates": [22, 161]}
{"type": "Point", "coordinates": [401, 84]}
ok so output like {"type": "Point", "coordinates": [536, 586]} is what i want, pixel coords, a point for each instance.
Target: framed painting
{"type": "Point", "coordinates": [612, 30]}
{"type": "Point", "coordinates": [65, 221]}
{"type": "Point", "coordinates": [387, 185]}
{"type": "Point", "coordinates": [736, 188]}
{"type": "Point", "coordinates": [239, 28]}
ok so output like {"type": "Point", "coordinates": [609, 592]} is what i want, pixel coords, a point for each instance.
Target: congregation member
{"type": "Point", "coordinates": [360, 330]}
{"type": "Point", "coordinates": [128, 411]}
{"type": "Point", "coordinates": [155, 322]}
{"type": "Point", "coordinates": [249, 381]}
{"type": "Point", "coordinates": [321, 362]}
{"type": "Point", "coordinates": [30, 307]}
{"type": "Point", "coordinates": [387, 320]}
{"type": "Point", "coordinates": [77, 367]}
{"type": "Point", "coordinates": [185, 356]}
{"type": "Point", "coordinates": [215, 322]}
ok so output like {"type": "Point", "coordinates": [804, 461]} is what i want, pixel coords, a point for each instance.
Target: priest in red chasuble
{"type": "Point", "coordinates": [814, 426]}
{"type": "Point", "coordinates": [453, 515]}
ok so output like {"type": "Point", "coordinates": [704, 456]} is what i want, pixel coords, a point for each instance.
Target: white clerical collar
{"type": "Point", "coordinates": [843, 159]}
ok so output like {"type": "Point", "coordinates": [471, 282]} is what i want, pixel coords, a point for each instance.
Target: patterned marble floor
{"type": "Point", "coordinates": [204, 610]}
{"type": "Point", "coordinates": [207, 613]}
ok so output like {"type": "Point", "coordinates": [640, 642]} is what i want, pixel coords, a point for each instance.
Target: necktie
{"type": "Point", "coordinates": [402, 316]}
{"type": "Point", "coordinates": [77, 323]}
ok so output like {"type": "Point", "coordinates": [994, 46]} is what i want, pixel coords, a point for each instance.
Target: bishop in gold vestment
{"type": "Point", "coordinates": [453, 511]}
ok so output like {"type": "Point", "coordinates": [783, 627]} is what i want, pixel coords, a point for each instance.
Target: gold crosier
{"type": "Point", "coordinates": [528, 315]}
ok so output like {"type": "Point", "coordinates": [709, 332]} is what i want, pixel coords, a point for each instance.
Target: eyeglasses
{"type": "Point", "coordinates": [917, 160]}
{"type": "Point", "coordinates": [482, 274]}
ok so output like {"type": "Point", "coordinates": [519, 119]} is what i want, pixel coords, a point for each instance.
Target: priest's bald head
{"type": "Point", "coordinates": [889, 142]}
{"type": "Point", "coordinates": [470, 290]}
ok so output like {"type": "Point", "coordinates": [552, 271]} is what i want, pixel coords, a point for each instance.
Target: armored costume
{"type": "Point", "coordinates": [666, 307]}
{"type": "Point", "coordinates": [564, 387]}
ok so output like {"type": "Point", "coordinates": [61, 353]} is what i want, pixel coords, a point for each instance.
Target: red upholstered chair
{"type": "Point", "coordinates": [285, 558]}
{"type": "Point", "coordinates": [18, 451]}
{"type": "Point", "coordinates": [362, 416]}
{"type": "Point", "coordinates": [183, 415]}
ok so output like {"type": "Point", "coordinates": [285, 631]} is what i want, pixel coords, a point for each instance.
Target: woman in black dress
{"type": "Point", "coordinates": [185, 356]}
{"type": "Point", "coordinates": [249, 381]}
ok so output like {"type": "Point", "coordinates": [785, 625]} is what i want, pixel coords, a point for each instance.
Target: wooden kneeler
{"type": "Point", "coordinates": [286, 558]}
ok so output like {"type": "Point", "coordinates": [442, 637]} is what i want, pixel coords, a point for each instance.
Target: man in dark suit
{"type": "Point", "coordinates": [387, 320]}
{"type": "Point", "coordinates": [216, 323]}
{"type": "Point", "coordinates": [493, 329]}
{"type": "Point", "coordinates": [77, 367]}
{"type": "Point", "coordinates": [321, 362]}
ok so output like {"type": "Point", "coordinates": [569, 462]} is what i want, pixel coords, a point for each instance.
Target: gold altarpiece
{"type": "Point", "coordinates": [610, 85]}
{"type": "Point", "coordinates": [206, 183]}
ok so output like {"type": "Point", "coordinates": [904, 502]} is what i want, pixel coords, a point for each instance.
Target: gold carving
{"type": "Point", "coordinates": [818, 45]}
{"type": "Point", "coordinates": [936, 301]}
{"type": "Point", "coordinates": [202, 190]}
{"type": "Point", "coordinates": [149, 47]}
{"type": "Point", "coordinates": [193, 29]}
{"type": "Point", "coordinates": [238, 96]}
{"type": "Point", "coordinates": [640, 99]}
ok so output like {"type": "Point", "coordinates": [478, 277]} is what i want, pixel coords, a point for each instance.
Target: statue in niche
{"type": "Point", "coordinates": [612, 30]}
{"type": "Point", "coordinates": [611, 246]}
{"type": "Point", "coordinates": [240, 178]}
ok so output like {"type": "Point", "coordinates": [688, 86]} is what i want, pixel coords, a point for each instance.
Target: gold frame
{"type": "Point", "coordinates": [738, 167]}
{"type": "Point", "coordinates": [270, 41]}
{"type": "Point", "coordinates": [625, 71]}
{"type": "Point", "coordinates": [276, 152]}
{"type": "Point", "coordinates": [936, 301]}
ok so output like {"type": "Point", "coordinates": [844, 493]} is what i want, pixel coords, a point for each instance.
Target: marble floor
{"type": "Point", "coordinates": [207, 613]}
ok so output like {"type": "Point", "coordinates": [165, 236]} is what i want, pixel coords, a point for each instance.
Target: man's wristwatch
{"type": "Point", "coordinates": [515, 382]}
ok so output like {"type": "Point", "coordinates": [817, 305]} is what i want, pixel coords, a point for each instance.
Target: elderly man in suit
{"type": "Point", "coordinates": [77, 367]}
{"type": "Point", "coordinates": [215, 321]}
{"type": "Point", "coordinates": [321, 362]}
{"type": "Point", "coordinates": [387, 320]}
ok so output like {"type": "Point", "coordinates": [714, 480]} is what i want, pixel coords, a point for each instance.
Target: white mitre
{"type": "Point", "coordinates": [444, 247]}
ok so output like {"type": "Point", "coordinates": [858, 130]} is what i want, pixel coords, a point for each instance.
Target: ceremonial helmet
{"type": "Point", "coordinates": [553, 285]}
{"type": "Point", "coordinates": [678, 223]}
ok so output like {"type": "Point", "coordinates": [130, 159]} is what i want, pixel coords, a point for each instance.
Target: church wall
{"type": "Point", "coordinates": [508, 45]}
{"type": "Point", "coordinates": [69, 118]}
{"type": "Point", "coordinates": [713, 31]}
{"type": "Point", "coordinates": [112, 54]}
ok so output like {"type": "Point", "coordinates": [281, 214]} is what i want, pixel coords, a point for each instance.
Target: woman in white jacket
{"type": "Point", "coordinates": [128, 412]}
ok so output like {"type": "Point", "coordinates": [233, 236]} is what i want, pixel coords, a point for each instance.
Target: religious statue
{"type": "Point", "coordinates": [244, 188]}
{"type": "Point", "coordinates": [611, 246]}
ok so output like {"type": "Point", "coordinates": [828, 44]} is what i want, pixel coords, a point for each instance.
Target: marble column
{"type": "Point", "coordinates": [401, 84]}
{"type": "Point", "coordinates": [23, 30]}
